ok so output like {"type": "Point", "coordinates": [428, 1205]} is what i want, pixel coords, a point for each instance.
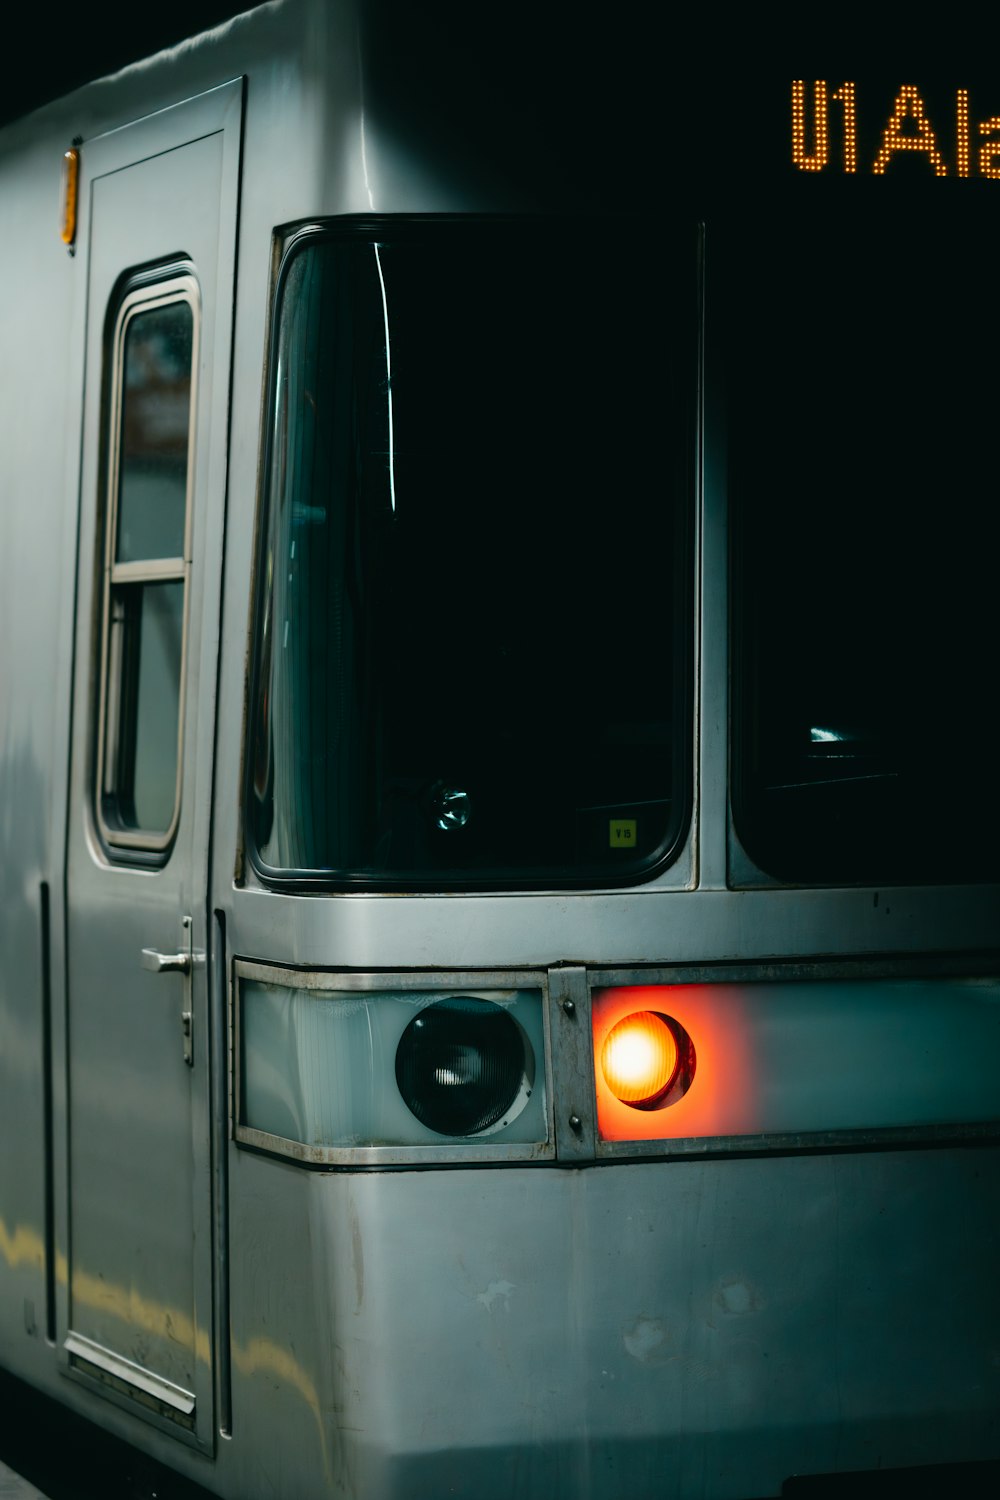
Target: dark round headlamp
{"type": "Point", "coordinates": [460, 1065]}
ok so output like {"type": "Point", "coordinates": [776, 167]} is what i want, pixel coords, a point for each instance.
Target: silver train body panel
{"type": "Point", "coordinates": [703, 1324]}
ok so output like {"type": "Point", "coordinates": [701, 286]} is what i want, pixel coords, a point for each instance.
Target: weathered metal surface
{"type": "Point", "coordinates": [680, 1329]}
{"type": "Point", "coordinates": [691, 1328]}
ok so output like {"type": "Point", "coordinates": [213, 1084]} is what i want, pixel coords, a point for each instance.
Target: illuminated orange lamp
{"type": "Point", "coordinates": [640, 1059]}
{"type": "Point", "coordinates": [70, 173]}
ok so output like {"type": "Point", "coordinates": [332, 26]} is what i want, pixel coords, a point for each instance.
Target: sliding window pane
{"type": "Point", "coordinates": [146, 641]}
{"type": "Point", "coordinates": [155, 433]}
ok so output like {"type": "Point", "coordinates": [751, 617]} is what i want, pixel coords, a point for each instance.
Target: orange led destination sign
{"type": "Point", "coordinates": [825, 133]}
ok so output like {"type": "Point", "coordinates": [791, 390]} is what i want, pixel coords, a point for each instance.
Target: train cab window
{"type": "Point", "coordinates": [147, 561]}
{"type": "Point", "coordinates": [864, 384]}
{"type": "Point", "coordinates": [473, 651]}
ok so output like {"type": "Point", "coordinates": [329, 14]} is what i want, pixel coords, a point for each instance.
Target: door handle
{"type": "Point", "coordinates": [179, 963]}
{"type": "Point", "coordinates": [166, 963]}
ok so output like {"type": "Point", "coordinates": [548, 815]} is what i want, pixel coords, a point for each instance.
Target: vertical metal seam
{"type": "Point", "coordinates": [218, 1035]}
{"type": "Point", "coordinates": [712, 662]}
{"type": "Point", "coordinates": [47, 1117]}
{"type": "Point", "coordinates": [575, 1107]}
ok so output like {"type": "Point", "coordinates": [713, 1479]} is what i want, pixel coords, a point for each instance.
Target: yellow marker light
{"type": "Point", "coordinates": [70, 171]}
{"type": "Point", "coordinates": [639, 1059]}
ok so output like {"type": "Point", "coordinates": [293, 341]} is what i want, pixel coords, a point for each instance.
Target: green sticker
{"type": "Point", "coordinates": [621, 833]}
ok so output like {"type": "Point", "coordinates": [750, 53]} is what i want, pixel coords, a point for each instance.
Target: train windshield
{"type": "Point", "coordinates": [473, 656]}
{"type": "Point", "coordinates": [864, 387]}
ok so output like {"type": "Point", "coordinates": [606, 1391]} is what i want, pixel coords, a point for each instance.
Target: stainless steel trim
{"type": "Point", "coordinates": [905, 966]}
{"type": "Point", "coordinates": [394, 1156]}
{"type": "Point", "coordinates": [787, 1142]}
{"type": "Point", "coordinates": [572, 1047]}
{"type": "Point", "coordinates": [438, 979]}
{"type": "Point", "coordinates": [155, 570]}
{"type": "Point", "coordinates": [163, 1391]}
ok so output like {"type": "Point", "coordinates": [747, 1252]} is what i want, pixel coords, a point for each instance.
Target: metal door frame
{"type": "Point", "coordinates": [216, 112]}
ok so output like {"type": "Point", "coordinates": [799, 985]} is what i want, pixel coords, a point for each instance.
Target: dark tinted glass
{"type": "Point", "coordinates": [156, 414]}
{"type": "Point", "coordinates": [863, 400]}
{"type": "Point", "coordinates": [460, 1065]}
{"type": "Point", "coordinates": [146, 642]}
{"type": "Point", "coordinates": [469, 650]}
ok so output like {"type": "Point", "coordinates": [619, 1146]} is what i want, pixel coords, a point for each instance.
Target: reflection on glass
{"type": "Point", "coordinates": [863, 390]}
{"type": "Point", "coordinates": [145, 671]}
{"type": "Point", "coordinates": [155, 777]}
{"type": "Point", "coordinates": [155, 421]}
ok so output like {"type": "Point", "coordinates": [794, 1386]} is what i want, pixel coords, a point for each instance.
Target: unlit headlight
{"type": "Point", "coordinates": [464, 1066]}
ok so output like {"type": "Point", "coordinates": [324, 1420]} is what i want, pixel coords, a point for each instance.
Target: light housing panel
{"type": "Point", "coordinates": [791, 1059]}
{"type": "Point", "coordinates": [327, 1071]}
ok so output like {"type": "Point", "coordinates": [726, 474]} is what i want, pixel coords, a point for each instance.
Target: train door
{"type": "Point", "coordinates": [158, 212]}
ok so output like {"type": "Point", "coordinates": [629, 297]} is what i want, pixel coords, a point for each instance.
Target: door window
{"type": "Point", "coordinates": [153, 356]}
